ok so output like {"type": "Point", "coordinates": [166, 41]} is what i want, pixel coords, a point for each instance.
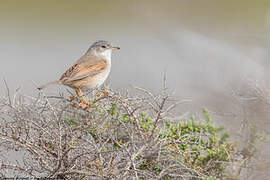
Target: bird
{"type": "Point", "coordinates": [90, 71]}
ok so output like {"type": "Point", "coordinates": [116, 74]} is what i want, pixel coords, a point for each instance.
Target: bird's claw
{"type": "Point", "coordinates": [105, 92]}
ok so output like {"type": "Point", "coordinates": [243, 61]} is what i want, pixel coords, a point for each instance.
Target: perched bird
{"type": "Point", "coordinates": [90, 71]}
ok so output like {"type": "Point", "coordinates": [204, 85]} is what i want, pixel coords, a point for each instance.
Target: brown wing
{"type": "Point", "coordinates": [82, 70]}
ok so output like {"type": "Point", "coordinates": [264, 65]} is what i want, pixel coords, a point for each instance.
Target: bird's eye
{"type": "Point", "coordinates": [103, 46]}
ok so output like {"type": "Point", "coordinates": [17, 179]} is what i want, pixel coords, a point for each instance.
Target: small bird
{"type": "Point", "coordinates": [90, 71]}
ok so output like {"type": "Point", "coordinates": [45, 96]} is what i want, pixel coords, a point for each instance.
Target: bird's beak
{"type": "Point", "coordinates": [115, 48]}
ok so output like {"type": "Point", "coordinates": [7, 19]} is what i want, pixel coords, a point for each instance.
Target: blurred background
{"type": "Point", "coordinates": [209, 49]}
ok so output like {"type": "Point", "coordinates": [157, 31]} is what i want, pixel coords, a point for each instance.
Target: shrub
{"type": "Point", "coordinates": [114, 137]}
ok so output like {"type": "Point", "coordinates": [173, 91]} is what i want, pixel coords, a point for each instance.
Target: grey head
{"type": "Point", "coordinates": [101, 48]}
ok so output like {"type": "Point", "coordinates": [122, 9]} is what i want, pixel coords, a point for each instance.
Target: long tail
{"type": "Point", "coordinates": [48, 84]}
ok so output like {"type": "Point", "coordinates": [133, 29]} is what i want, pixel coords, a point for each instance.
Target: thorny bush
{"type": "Point", "coordinates": [115, 137]}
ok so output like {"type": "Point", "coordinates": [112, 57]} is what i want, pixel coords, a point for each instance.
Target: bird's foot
{"type": "Point", "coordinates": [71, 98]}
{"type": "Point", "coordinates": [84, 104]}
{"type": "Point", "coordinates": [97, 96]}
{"type": "Point", "coordinates": [105, 92]}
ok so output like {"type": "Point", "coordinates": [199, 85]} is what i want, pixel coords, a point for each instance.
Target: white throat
{"type": "Point", "coordinates": [107, 54]}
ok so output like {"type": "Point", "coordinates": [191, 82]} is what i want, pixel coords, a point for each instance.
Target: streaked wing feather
{"type": "Point", "coordinates": [82, 70]}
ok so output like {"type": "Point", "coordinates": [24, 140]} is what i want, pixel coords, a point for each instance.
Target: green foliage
{"type": "Point", "coordinates": [113, 110]}
{"type": "Point", "coordinates": [145, 121]}
{"type": "Point", "coordinates": [71, 121]}
{"type": "Point", "coordinates": [200, 145]}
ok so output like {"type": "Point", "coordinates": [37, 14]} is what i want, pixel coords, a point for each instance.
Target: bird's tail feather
{"type": "Point", "coordinates": [48, 84]}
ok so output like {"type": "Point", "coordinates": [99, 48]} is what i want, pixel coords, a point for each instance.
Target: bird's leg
{"type": "Point", "coordinates": [77, 93]}
{"type": "Point", "coordinates": [83, 96]}
{"type": "Point", "coordinates": [82, 99]}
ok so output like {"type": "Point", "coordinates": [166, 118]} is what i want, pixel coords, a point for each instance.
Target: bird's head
{"type": "Point", "coordinates": [102, 48]}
